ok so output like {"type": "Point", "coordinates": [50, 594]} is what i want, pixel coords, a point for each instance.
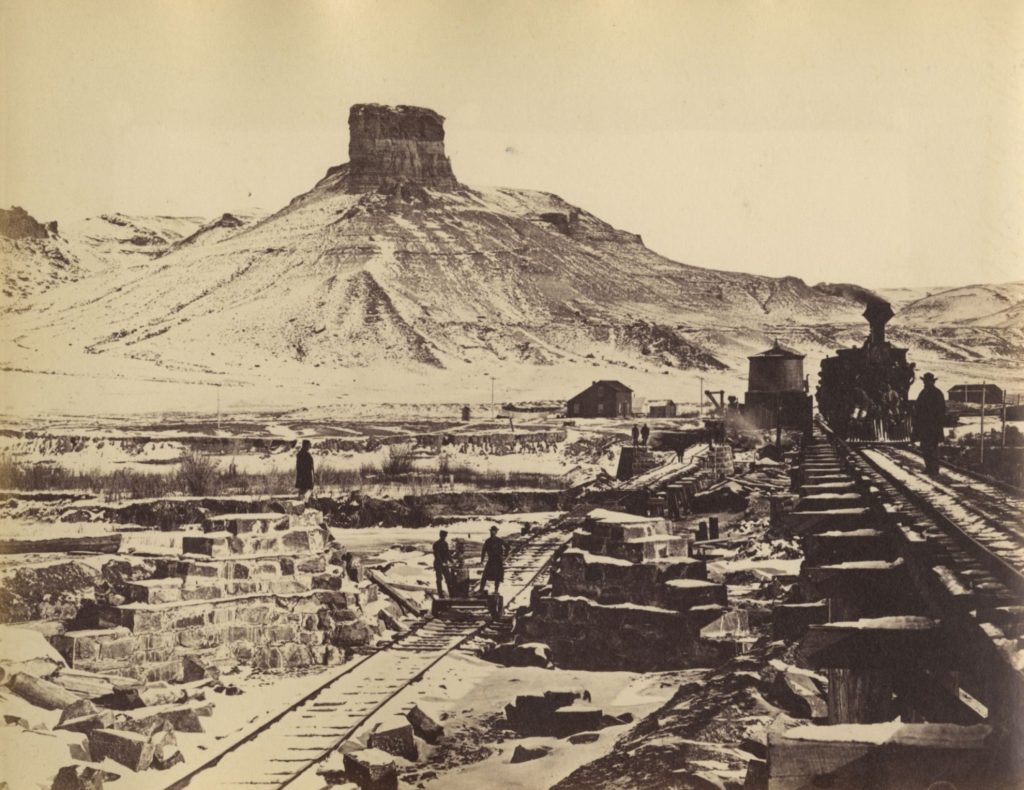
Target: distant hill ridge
{"type": "Point", "coordinates": [389, 262]}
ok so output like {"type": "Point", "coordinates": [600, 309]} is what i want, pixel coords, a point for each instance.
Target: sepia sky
{"type": "Point", "coordinates": [872, 142]}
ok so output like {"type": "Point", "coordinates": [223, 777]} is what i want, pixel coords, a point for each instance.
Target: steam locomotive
{"type": "Point", "coordinates": [862, 392]}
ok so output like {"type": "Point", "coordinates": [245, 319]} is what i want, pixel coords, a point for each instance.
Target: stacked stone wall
{"type": "Point", "coordinates": [587, 635]}
{"type": "Point", "coordinates": [253, 588]}
{"type": "Point", "coordinates": [627, 596]}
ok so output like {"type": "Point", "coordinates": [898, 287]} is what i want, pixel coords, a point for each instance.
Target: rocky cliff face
{"type": "Point", "coordinates": [391, 146]}
{"type": "Point", "coordinates": [19, 224]}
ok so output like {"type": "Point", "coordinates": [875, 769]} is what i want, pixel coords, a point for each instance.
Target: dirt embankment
{"type": "Point", "coordinates": [353, 510]}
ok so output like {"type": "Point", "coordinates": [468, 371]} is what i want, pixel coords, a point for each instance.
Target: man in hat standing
{"type": "Point", "coordinates": [929, 421]}
{"type": "Point", "coordinates": [443, 564]}
{"type": "Point", "coordinates": [493, 556]}
{"type": "Point", "coordinates": [304, 471]}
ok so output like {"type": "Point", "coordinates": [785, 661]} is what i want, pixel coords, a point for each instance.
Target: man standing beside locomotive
{"type": "Point", "coordinates": [929, 421]}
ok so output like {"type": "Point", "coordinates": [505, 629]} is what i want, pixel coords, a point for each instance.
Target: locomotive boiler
{"type": "Point", "coordinates": [862, 392]}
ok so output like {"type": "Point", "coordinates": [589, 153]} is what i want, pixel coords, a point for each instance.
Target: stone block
{"type": "Point", "coordinates": [86, 644]}
{"type": "Point", "coordinates": [202, 638]}
{"type": "Point", "coordinates": [351, 634]}
{"type": "Point", "coordinates": [852, 756]}
{"type": "Point", "coordinates": [153, 591]}
{"type": "Point", "coordinates": [426, 724]}
{"type": "Point", "coordinates": [166, 753]}
{"type": "Point", "coordinates": [86, 723]}
{"type": "Point", "coordinates": [800, 695]}
{"type": "Point", "coordinates": [180, 718]}
{"type": "Point", "coordinates": [575, 718]}
{"type": "Point", "coordinates": [203, 570]}
{"type": "Point", "coordinates": [130, 749]}
{"type": "Point", "coordinates": [246, 523]}
{"type": "Point", "coordinates": [82, 707]}
{"type": "Point", "coordinates": [211, 545]}
{"type": "Point", "coordinates": [162, 671]}
{"type": "Point", "coordinates": [524, 754]}
{"type": "Point", "coordinates": [371, 769]}
{"type": "Point", "coordinates": [201, 590]}
{"type": "Point", "coordinates": [311, 565]}
{"type": "Point", "coordinates": [394, 736]}
{"type": "Point", "coordinates": [147, 696]}
{"type": "Point", "coordinates": [82, 777]}
{"type": "Point", "coordinates": [684, 594]}
{"type": "Point", "coordinates": [281, 633]}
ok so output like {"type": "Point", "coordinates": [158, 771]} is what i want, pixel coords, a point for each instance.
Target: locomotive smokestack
{"type": "Point", "coordinates": [878, 313]}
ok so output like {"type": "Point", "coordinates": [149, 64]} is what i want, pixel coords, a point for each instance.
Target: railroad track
{"type": "Point", "coordinates": [985, 519]}
{"type": "Point", "coordinates": [286, 750]}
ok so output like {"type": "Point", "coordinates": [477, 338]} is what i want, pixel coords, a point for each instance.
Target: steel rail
{"type": "Point", "coordinates": [1007, 572]}
{"type": "Point", "coordinates": [473, 630]}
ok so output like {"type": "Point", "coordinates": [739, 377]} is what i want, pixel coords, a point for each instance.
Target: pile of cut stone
{"type": "Point", "coordinates": [271, 590]}
{"type": "Point", "coordinates": [375, 767]}
{"type": "Point", "coordinates": [266, 589]}
{"type": "Point", "coordinates": [626, 596]}
{"type": "Point", "coordinates": [124, 719]}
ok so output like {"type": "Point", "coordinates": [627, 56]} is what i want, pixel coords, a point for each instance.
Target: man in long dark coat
{"type": "Point", "coordinates": [443, 564]}
{"type": "Point", "coordinates": [304, 470]}
{"type": "Point", "coordinates": [929, 421]}
{"type": "Point", "coordinates": [645, 434]}
{"type": "Point", "coordinates": [493, 556]}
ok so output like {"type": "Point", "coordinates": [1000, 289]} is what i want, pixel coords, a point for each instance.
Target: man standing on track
{"type": "Point", "coordinates": [443, 564]}
{"type": "Point", "coordinates": [929, 420]}
{"type": "Point", "coordinates": [493, 556]}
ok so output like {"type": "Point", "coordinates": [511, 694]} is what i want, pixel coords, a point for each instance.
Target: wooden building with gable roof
{"type": "Point", "coordinates": [602, 399]}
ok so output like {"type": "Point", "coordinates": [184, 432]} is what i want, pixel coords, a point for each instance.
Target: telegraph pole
{"type": "Point", "coordinates": [218, 408]}
{"type": "Point", "coordinates": [1003, 440]}
{"type": "Point", "coordinates": [982, 429]}
{"type": "Point", "coordinates": [700, 397]}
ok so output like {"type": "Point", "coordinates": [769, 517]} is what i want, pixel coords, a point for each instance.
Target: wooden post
{"type": "Point", "coordinates": [982, 429]}
{"type": "Point", "coordinates": [859, 696]}
{"type": "Point", "coordinates": [778, 426]}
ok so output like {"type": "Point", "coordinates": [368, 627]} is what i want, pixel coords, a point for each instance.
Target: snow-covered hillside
{"type": "Point", "coordinates": [44, 256]}
{"type": "Point", "coordinates": [974, 305]}
{"type": "Point", "coordinates": [390, 279]}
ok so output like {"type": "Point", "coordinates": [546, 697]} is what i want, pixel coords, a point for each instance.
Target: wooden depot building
{"type": "Point", "coordinates": [602, 399]}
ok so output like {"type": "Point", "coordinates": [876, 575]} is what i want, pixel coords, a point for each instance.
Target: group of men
{"type": "Point", "coordinates": [641, 435]}
{"type": "Point", "coordinates": [492, 555]}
